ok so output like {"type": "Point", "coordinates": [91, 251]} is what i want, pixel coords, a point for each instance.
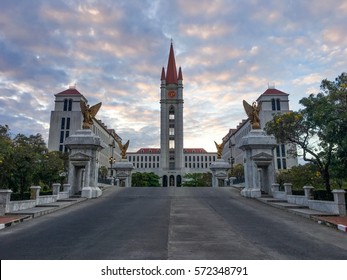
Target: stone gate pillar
{"type": "Point", "coordinates": [83, 167]}
{"type": "Point", "coordinates": [258, 162]}
{"type": "Point", "coordinates": [219, 170]}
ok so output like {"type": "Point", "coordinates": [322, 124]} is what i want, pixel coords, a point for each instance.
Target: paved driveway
{"type": "Point", "coordinates": [172, 223]}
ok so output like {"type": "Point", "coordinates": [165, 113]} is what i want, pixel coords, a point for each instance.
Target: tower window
{"type": "Point", "coordinates": [171, 131]}
{"type": "Point", "coordinates": [276, 104]}
{"type": "Point", "coordinates": [67, 123]}
{"type": "Point", "coordinates": [65, 104]}
{"type": "Point", "coordinates": [172, 144]}
{"type": "Point", "coordinates": [63, 123]}
{"type": "Point", "coordinates": [171, 113]}
{"type": "Point", "coordinates": [61, 136]}
{"type": "Point", "coordinates": [70, 105]}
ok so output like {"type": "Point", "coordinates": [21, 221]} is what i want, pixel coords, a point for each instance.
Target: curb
{"type": "Point", "coordinates": [342, 227]}
{"type": "Point", "coordinates": [14, 221]}
{"type": "Point", "coordinates": [44, 210]}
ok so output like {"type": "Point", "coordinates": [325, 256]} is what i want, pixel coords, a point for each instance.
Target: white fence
{"type": "Point", "coordinates": [8, 206]}
{"type": "Point", "coordinates": [336, 207]}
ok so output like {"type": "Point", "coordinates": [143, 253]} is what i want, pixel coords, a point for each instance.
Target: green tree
{"type": "Point", "coordinates": [319, 129]}
{"type": "Point", "coordinates": [299, 176]}
{"type": "Point", "coordinates": [103, 171]}
{"type": "Point", "coordinates": [237, 171]}
{"type": "Point", "coordinates": [6, 157]}
{"type": "Point", "coordinates": [145, 179]}
{"type": "Point", "coordinates": [28, 155]}
{"type": "Point", "coordinates": [49, 169]}
{"type": "Point", "coordinates": [197, 180]}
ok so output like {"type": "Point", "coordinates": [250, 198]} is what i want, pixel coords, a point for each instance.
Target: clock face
{"type": "Point", "coordinates": [171, 94]}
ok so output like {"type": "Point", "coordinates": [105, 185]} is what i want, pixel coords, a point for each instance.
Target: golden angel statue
{"type": "Point", "coordinates": [123, 148]}
{"type": "Point", "coordinates": [252, 112]}
{"type": "Point", "coordinates": [220, 148]}
{"type": "Point", "coordinates": [88, 113]}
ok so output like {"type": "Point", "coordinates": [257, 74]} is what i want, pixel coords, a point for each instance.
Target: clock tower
{"type": "Point", "coordinates": [171, 123]}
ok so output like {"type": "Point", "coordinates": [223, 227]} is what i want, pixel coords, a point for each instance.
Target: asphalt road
{"type": "Point", "coordinates": [171, 223]}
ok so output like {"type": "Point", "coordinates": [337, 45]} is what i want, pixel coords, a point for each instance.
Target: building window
{"type": "Point", "coordinates": [62, 123]}
{"type": "Point", "coordinates": [67, 133]}
{"type": "Point", "coordinates": [283, 148]}
{"type": "Point", "coordinates": [172, 144]}
{"type": "Point", "coordinates": [65, 105]}
{"type": "Point", "coordinates": [276, 104]}
{"type": "Point", "coordinates": [171, 165]}
{"type": "Point", "coordinates": [61, 137]}
{"type": "Point", "coordinates": [171, 131]}
{"type": "Point", "coordinates": [70, 105]}
{"type": "Point", "coordinates": [68, 123]}
{"type": "Point", "coordinates": [278, 153]}
{"type": "Point", "coordinates": [171, 113]}
{"type": "Point", "coordinates": [284, 163]}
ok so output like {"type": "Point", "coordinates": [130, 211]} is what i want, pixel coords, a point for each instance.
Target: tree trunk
{"type": "Point", "coordinates": [326, 179]}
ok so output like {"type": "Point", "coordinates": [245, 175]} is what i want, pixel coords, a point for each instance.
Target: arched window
{"type": "Point", "coordinates": [171, 113]}
{"type": "Point", "coordinates": [164, 181]}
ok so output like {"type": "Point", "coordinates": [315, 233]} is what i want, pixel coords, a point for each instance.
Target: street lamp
{"type": "Point", "coordinates": [231, 159]}
{"type": "Point", "coordinates": [112, 159]}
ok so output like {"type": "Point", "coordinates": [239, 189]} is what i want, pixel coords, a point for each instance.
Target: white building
{"type": "Point", "coordinates": [67, 117]}
{"type": "Point", "coordinates": [172, 161]}
{"type": "Point", "coordinates": [272, 101]}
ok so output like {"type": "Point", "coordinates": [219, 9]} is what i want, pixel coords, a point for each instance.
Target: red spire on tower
{"type": "Point", "coordinates": [171, 71]}
{"type": "Point", "coordinates": [162, 74]}
{"type": "Point", "coordinates": [180, 76]}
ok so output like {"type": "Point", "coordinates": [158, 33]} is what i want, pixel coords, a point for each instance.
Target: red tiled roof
{"type": "Point", "coordinates": [148, 151]}
{"type": "Point", "coordinates": [194, 150]}
{"type": "Point", "coordinates": [274, 91]}
{"type": "Point", "coordinates": [157, 151]}
{"type": "Point", "coordinates": [162, 74]}
{"type": "Point", "coordinates": [171, 71]}
{"type": "Point", "coordinates": [70, 91]}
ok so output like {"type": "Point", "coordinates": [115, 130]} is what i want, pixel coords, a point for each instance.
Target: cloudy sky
{"type": "Point", "coordinates": [113, 50]}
